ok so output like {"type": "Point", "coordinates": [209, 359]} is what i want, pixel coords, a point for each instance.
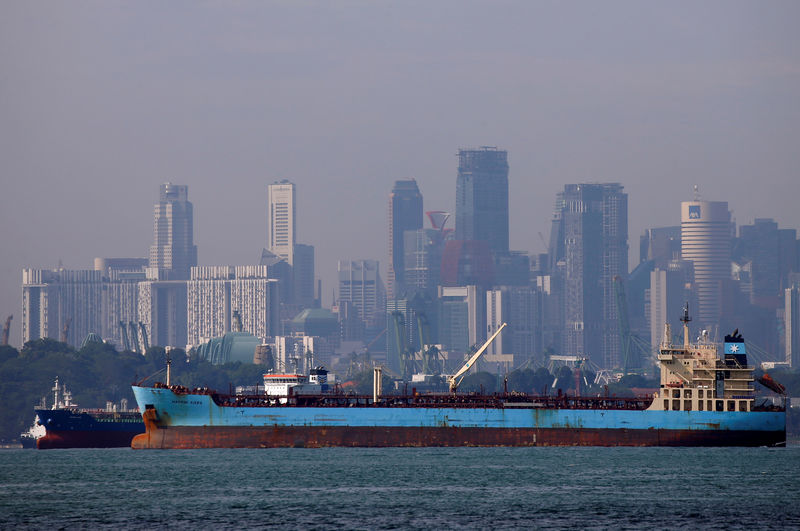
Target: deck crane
{"type": "Point", "coordinates": [6, 331]}
{"type": "Point", "coordinates": [455, 380]}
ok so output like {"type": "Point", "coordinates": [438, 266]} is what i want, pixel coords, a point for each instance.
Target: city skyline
{"type": "Point", "coordinates": [707, 99]}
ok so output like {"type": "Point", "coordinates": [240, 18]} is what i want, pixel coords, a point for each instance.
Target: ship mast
{"type": "Point", "coordinates": [685, 320]}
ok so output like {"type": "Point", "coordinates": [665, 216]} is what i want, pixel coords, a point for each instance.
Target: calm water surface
{"type": "Point", "coordinates": [402, 488]}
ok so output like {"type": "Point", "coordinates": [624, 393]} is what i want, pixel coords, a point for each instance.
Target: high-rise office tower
{"type": "Point", "coordinates": [521, 308]}
{"type": "Point", "coordinates": [482, 197]}
{"type": "Point", "coordinates": [706, 242]}
{"type": "Point", "coordinates": [303, 276]}
{"type": "Point", "coordinates": [763, 245]}
{"type": "Point", "coordinates": [173, 251]}
{"type": "Point", "coordinates": [660, 245]}
{"type": "Point", "coordinates": [405, 213]}
{"type": "Point", "coordinates": [670, 289]}
{"type": "Point", "coordinates": [589, 246]}
{"type": "Point", "coordinates": [423, 260]}
{"type": "Point", "coordinates": [281, 219]}
{"type": "Point", "coordinates": [360, 283]}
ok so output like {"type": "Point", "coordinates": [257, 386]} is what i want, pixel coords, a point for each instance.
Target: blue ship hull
{"type": "Point", "coordinates": [71, 428]}
{"type": "Point", "coordinates": [189, 420]}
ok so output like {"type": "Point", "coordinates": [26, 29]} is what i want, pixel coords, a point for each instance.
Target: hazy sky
{"type": "Point", "coordinates": [100, 102]}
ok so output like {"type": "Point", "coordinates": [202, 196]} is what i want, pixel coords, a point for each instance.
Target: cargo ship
{"type": "Point", "coordinates": [705, 399]}
{"type": "Point", "coordinates": [67, 426]}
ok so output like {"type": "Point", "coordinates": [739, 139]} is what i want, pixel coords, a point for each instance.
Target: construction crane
{"type": "Point", "coordinates": [631, 343]}
{"type": "Point", "coordinates": [65, 330]}
{"type": "Point", "coordinates": [6, 331]}
{"type": "Point", "coordinates": [455, 380]}
{"type": "Point", "coordinates": [126, 344]}
{"type": "Point", "coordinates": [429, 353]}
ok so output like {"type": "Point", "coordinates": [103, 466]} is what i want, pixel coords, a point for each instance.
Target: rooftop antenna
{"type": "Point", "coordinates": [696, 192]}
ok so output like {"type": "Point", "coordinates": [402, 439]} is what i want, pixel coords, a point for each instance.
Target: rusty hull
{"type": "Point", "coordinates": [186, 437]}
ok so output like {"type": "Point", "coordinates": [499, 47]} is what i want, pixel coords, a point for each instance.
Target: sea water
{"type": "Point", "coordinates": [402, 488]}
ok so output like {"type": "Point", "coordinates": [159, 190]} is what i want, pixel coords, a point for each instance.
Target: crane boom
{"type": "Point", "coordinates": [455, 380]}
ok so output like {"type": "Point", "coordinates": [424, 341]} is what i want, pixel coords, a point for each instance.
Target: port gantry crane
{"type": "Point", "coordinates": [455, 380]}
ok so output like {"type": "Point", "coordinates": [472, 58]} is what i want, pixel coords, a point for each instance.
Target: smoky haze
{"type": "Point", "coordinates": [103, 101]}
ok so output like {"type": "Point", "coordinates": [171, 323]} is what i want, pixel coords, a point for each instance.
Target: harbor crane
{"type": "Point", "coordinates": [455, 380]}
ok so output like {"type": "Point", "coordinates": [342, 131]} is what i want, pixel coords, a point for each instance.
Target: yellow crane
{"type": "Point", "coordinates": [455, 380]}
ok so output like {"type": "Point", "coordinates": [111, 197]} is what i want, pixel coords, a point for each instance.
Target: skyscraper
{"type": "Point", "coordinates": [482, 197]}
{"type": "Point", "coordinates": [405, 213]}
{"type": "Point", "coordinates": [589, 246]}
{"type": "Point", "coordinates": [423, 260]}
{"type": "Point", "coordinates": [173, 251]}
{"type": "Point", "coordinates": [360, 283]}
{"type": "Point", "coordinates": [706, 242]}
{"type": "Point", "coordinates": [281, 219]}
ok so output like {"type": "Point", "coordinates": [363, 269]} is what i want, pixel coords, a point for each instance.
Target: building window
{"type": "Point", "coordinates": [700, 405]}
{"type": "Point", "coordinates": [676, 405]}
{"type": "Point", "coordinates": [742, 405]}
{"type": "Point", "coordinates": [687, 393]}
{"type": "Point", "coordinates": [666, 405]}
{"type": "Point", "coordinates": [687, 405]}
{"type": "Point", "coordinates": [699, 393]}
{"type": "Point", "coordinates": [720, 406]}
{"type": "Point", "coordinates": [731, 405]}
{"type": "Point", "coordinates": [708, 403]}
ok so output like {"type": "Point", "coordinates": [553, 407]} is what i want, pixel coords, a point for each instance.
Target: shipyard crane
{"type": "Point", "coordinates": [630, 342]}
{"type": "Point", "coordinates": [125, 342]}
{"type": "Point", "coordinates": [145, 342]}
{"type": "Point", "coordinates": [430, 354]}
{"type": "Point", "coordinates": [6, 330]}
{"type": "Point", "coordinates": [404, 351]}
{"type": "Point", "coordinates": [455, 380]}
{"type": "Point", "coordinates": [134, 337]}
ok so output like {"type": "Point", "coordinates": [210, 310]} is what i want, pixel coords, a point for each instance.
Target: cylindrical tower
{"type": "Point", "coordinates": [706, 242]}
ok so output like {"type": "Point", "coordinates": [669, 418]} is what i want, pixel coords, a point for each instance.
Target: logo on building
{"type": "Point", "coordinates": [694, 211]}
